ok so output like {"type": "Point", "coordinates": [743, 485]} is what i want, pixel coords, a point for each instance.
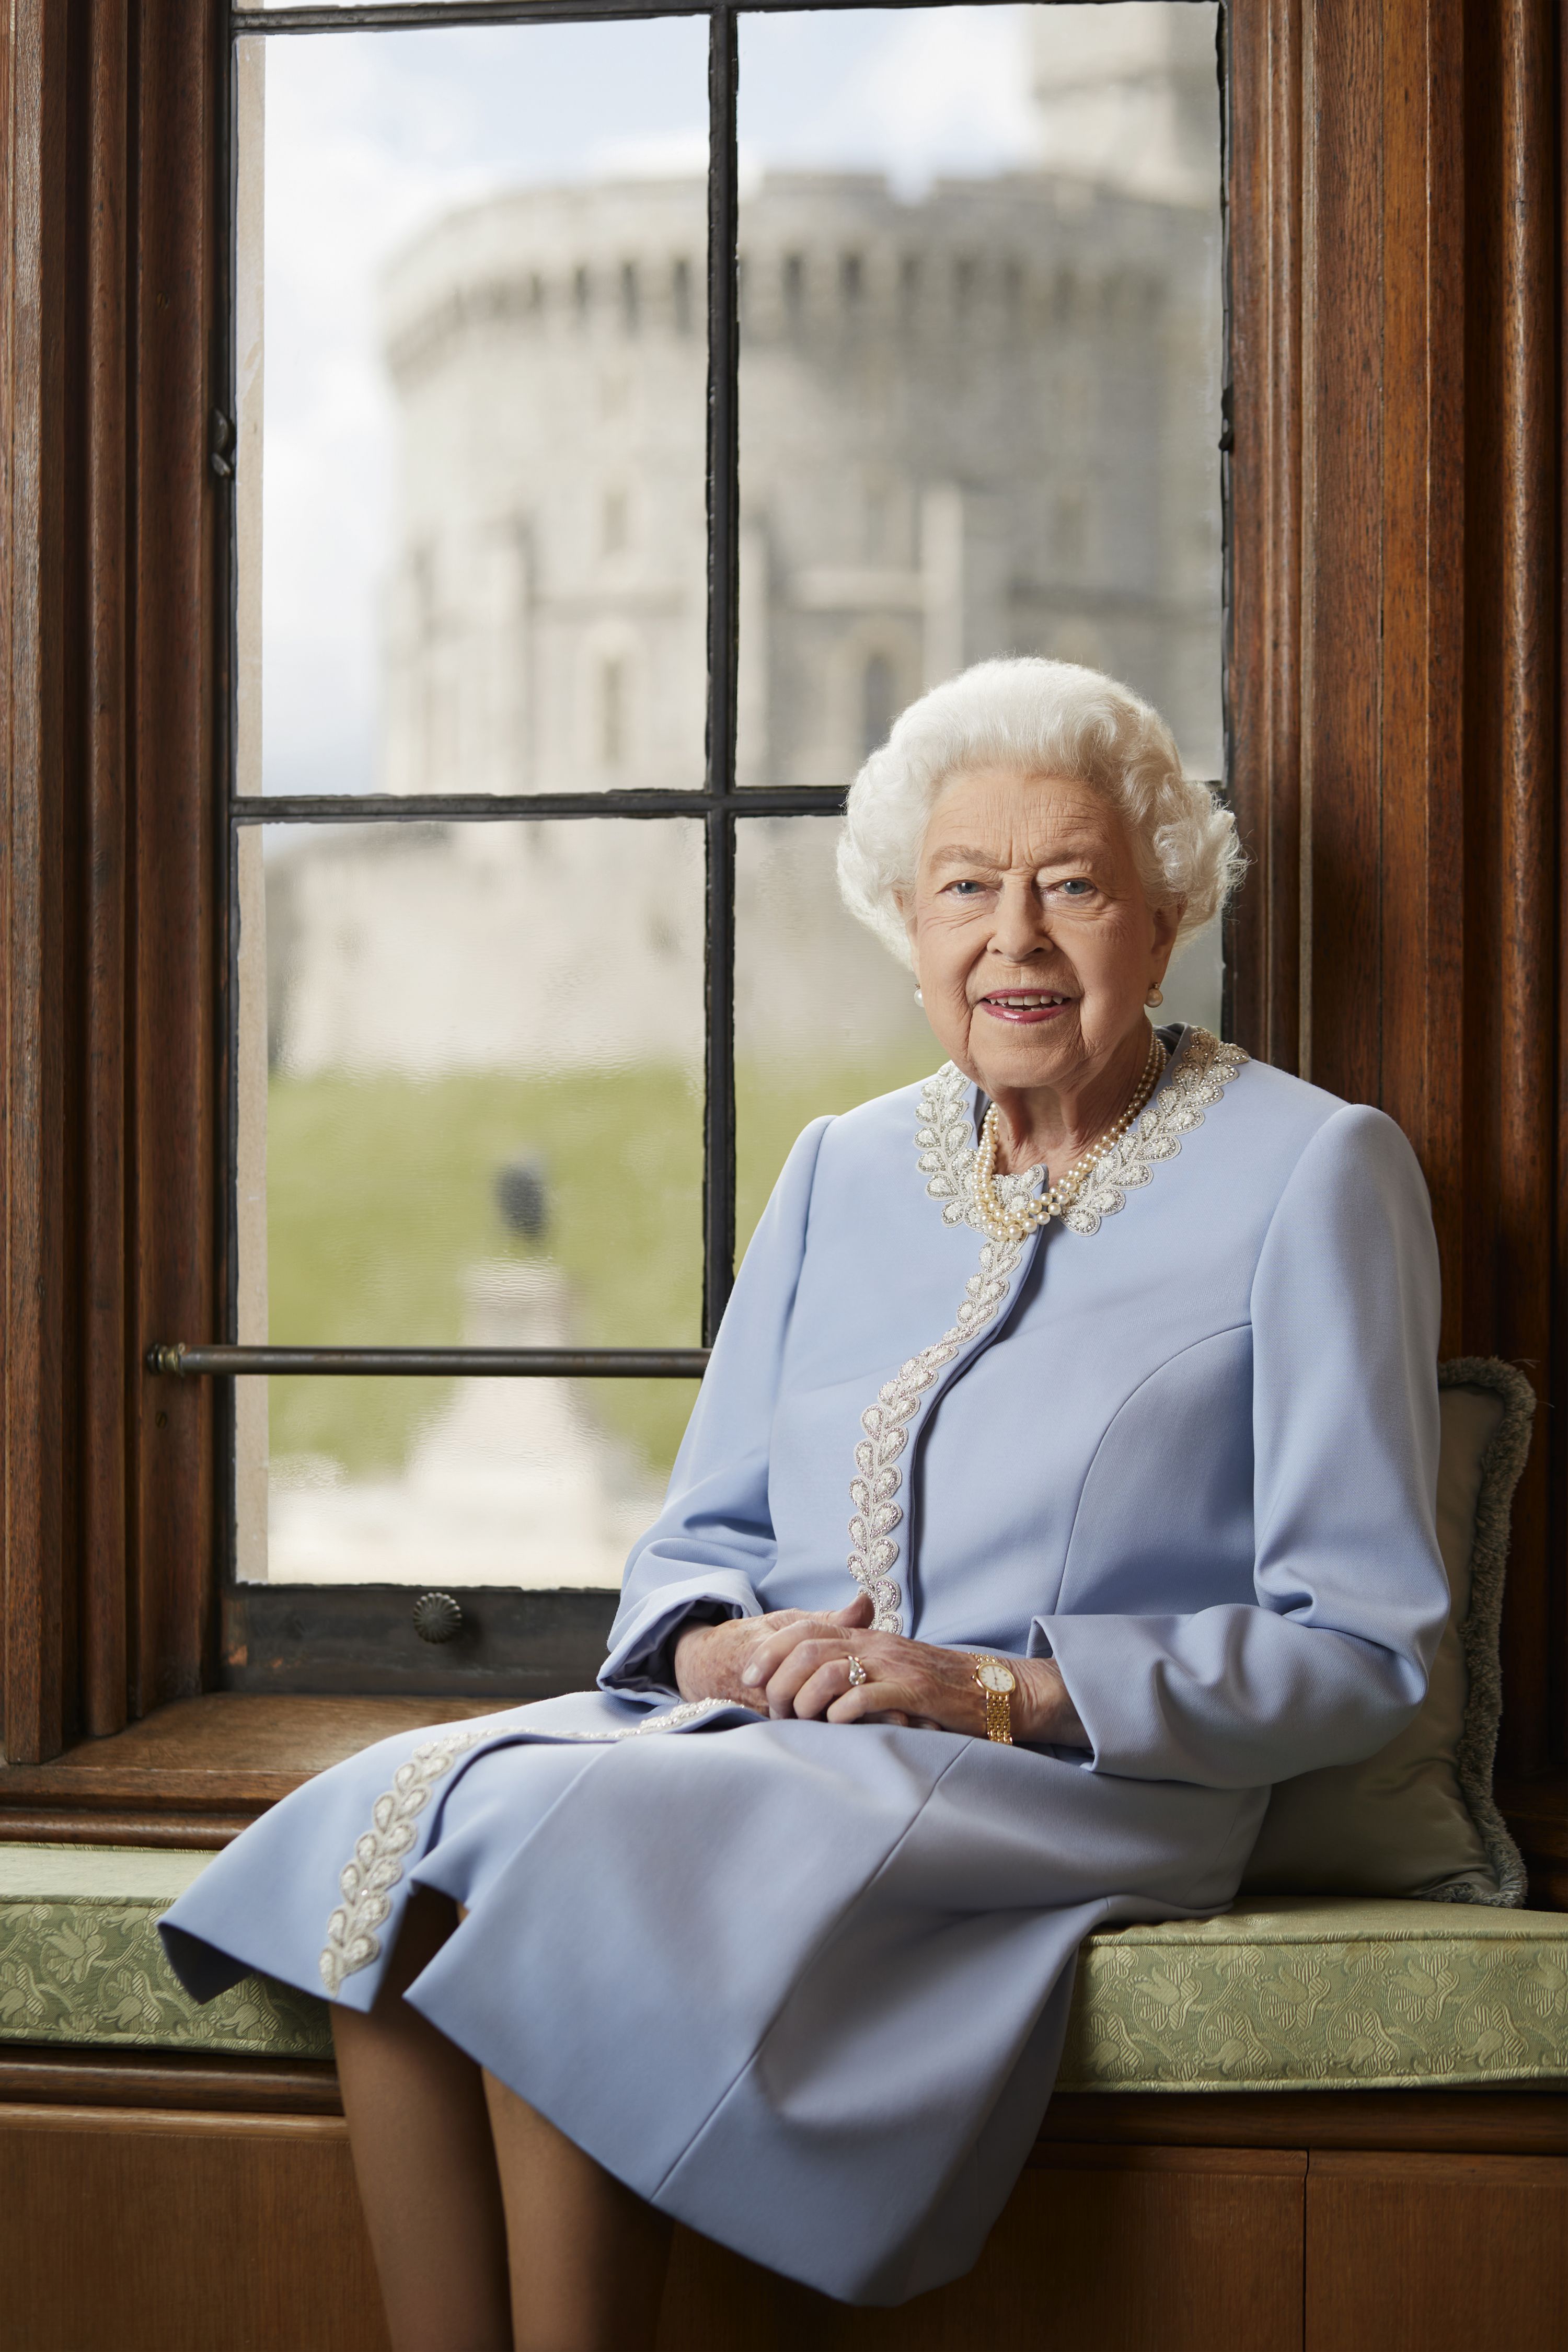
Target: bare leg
{"type": "Point", "coordinates": [425, 2160]}
{"type": "Point", "coordinates": [588, 2257]}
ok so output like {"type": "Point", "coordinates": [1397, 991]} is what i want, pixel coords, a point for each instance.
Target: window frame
{"type": "Point", "coordinates": [321, 1638]}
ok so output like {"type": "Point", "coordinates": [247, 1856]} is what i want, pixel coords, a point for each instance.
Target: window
{"type": "Point", "coordinates": [527, 1007]}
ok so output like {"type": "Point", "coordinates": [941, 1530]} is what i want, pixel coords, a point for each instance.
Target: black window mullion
{"type": "Point", "coordinates": [723, 581]}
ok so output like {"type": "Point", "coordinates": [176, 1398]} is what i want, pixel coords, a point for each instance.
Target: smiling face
{"type": "Point", "coordinates": [1033, 939]}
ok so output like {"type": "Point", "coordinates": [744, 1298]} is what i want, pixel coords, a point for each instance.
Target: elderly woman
{"type": "Point", "coordinates": [1063, 1478]}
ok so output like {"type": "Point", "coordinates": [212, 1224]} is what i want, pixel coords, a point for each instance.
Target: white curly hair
{"type": "Point", "coordinates": [1044, 718]}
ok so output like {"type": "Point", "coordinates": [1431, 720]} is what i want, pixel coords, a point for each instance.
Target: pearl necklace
{"type": "Point", "coordinates": [1013, 1224]}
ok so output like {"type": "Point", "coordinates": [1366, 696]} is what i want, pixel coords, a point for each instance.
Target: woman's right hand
{"type": "Point", "coordinates": [711, 1659]}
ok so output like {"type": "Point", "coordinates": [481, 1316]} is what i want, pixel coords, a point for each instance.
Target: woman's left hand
{"type": "Point", "coordinates": [801, 1671]}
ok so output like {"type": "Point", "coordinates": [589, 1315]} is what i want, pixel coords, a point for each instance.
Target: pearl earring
{"type": "Point", "coordinates": [919, 998]}
{"type": "Point", "coordinates": [1156, 995]}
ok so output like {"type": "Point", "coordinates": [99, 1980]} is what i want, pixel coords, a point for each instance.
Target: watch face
{"type": "Point", "coordinates": [994, 1676]}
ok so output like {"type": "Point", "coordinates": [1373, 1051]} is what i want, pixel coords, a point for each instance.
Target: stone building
{"type": "Point", "coordinates": [980, 420]}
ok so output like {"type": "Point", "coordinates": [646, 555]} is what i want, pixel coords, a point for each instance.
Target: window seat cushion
{"type": "Point", "coordinates": [1322, 1993]}
{"type": "Point", "coordinates": [1287, 1993]}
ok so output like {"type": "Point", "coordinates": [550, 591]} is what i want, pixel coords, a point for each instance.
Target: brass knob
{"type": "Point", "coordinates": [436, 1617]}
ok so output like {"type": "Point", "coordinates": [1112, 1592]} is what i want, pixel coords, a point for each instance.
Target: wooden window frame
{"type": "Point", "coordinates": [1395, 673]}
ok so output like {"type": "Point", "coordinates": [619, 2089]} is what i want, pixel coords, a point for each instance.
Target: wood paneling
{"type": "Point", "coordinates": [180, 954]}
{"type": "Point", "coordinates": [1120, 2249]}
{"type": "Point", "coordinates": [107, 816]}
{"type": "Point", "coordinates": [1396, 665]}
{"type": "Point", "coordinates": [109, 611]}
{"type": "Point", "coordinates": [186, 2232]}
{"type": "Point", "coordinates": [215, 2223]}
{"type": "Point", "coordinates": [33, 1344]}
{"type": "Point", "coordinates": [1264, 478]}
{"type": "Point", "coordinates": [139, 2078]}
{"type": "Point", "coordinates": [1436, 2254]}
{"type": "Point", "coordinates": [1518, 2123]}
{"type": "Point", "coordinates": [1471, 2123]}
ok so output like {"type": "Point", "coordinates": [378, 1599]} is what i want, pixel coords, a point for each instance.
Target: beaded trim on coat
{"type": "Point", "coordinates": [1199, 1071]}
{"type": "Point", "coordinates": [377, 1865]}
{"type": "Point", "coordinates": [944, 1137]}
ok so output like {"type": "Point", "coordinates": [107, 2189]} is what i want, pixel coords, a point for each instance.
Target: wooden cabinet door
{"type": "Point", "coordinates": [134, 2229]}
{"type": "Point", "coordinates": [1099, 2249]}
{"type": "Point", "coordinates": [1436, 2254]}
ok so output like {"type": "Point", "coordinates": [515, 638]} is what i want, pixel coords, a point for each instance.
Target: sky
{"type": "Point", "coordinates": [370, 135]}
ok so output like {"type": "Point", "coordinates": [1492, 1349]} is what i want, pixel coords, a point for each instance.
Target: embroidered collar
{"type": "Point", "coordinates": [1200, 1070]}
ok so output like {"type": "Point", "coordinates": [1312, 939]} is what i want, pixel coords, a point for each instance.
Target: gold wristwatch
{"type": "Point", "coordinates": [998, 1682]}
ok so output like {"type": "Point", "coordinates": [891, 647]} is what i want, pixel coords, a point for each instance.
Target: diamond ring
{"type": "Point", "coordinates": [857, 1674]}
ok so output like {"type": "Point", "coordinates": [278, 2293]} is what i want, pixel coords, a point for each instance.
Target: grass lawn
{"type": "Point", "coordinates": [380, 1192]}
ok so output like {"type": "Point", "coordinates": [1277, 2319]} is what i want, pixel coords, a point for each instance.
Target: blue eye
{"type": "Point", "coordinates": [1078, 883]}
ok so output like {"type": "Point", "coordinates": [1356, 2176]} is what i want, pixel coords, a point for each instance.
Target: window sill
{"type": "Point", "coordinates": [197, 1772]}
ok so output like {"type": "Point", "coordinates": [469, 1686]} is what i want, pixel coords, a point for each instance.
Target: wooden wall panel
{"type": "Point", "coordinates": [1398, 940]}
{"type": "Point", "coordinates": [1513, 790]}
{"type": "Point", "coordinates": [1113, 2249]}
{"type": "Point", "coordinates": [1436, 2254]}
{"type": "Point", "coordinates": [1342, 552]}
{"type": "Point", "coordinates": [135, 2230]}
{"type": "Point", "coordinates": [33, 1344]}
{"type": "Point", "coordinates": [106, 645]}
{"type": "Point", "coordinates": [109, 613]}
{"type": "Point", "coordinates": [1263, 583]}
{"type": "Point", "coordinates": [181, 590]}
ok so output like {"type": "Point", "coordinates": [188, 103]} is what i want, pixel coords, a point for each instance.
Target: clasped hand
{"type": "Point", "coordinates": [796, 1662]}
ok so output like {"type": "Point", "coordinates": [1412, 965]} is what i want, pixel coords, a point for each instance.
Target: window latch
{"type": "Point", "coordinates": [220, 445]}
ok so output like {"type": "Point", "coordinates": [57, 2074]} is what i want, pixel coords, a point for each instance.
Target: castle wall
{"type": "Point", "coordinates": [967, 428]}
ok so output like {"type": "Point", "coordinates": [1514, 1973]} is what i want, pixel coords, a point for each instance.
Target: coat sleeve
{"type": "Point", "coordinates": [713, 1541]}
{"type": "Point", "coordinates": [1351, 1596]}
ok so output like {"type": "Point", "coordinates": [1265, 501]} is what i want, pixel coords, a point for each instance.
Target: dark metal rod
{"type": "Point", "coordinates": [448, 808]}
{"type": "Point", "coordinates": [404, 15]}
{"type": "Point", "coordinates": [422, 1363]}
{"type": "Point", "coordinates": [415, 16]}
{"type": "Point", "coordinates": [723, 596]}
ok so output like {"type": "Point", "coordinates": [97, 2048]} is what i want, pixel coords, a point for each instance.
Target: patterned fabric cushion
{"type": "Point", "coordinates": [1418, 1818]}
{"type": "Point", "coordinates": [1286, 1994]}
{"type": "Point", "coordinates": [1297, 1994]}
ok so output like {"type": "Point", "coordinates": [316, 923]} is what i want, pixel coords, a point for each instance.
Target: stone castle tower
{"type": "Point", "coordinates": [979, 421]}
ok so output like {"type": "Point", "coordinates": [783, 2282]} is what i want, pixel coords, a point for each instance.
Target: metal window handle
{"type": "Point", "coordinates": [438, 1617]}
{"type": "Point", "coordinates": [220, 445]}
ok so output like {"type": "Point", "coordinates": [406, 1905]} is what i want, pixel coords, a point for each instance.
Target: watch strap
{"type": "Point", "coordinates": [999, 1715]}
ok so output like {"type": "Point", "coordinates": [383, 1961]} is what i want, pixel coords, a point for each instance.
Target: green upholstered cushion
{"type": "Point", "coordinates": [1287, 1994]}
{"type": "Point", "coordinates": [81, 1962]}
{"type": "Point", "coordinates": [1297, 1994]}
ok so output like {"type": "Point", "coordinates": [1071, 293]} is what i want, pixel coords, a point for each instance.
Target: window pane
{"type": "Point", "coordinates": [981, 362]}
{"type": "Point", "coordinates": [471, 271]}
{"type": "Point", "coordinates": [469, 1111]}
{"type": "Point", "coordinates": [544, 1484]}
{"type": "Point", "coordinates": [823, 1017]}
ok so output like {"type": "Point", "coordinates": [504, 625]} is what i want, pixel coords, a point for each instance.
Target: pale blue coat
{"type": "Point", "coordinates": [804, 1985]}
